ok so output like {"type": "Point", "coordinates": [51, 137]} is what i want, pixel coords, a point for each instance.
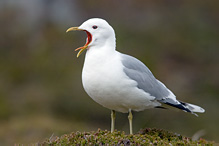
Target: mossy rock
{"type": "Point", "coordinates": [146, 136]}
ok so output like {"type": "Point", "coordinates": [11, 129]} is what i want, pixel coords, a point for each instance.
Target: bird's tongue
{"type": "Point", "coordinates": [88, 40]}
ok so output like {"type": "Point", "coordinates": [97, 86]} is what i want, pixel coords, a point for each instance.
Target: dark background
{"type": "Point", "coordinates": [41, 93]}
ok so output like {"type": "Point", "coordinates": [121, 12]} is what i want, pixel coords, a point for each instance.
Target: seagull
{"type": "Point", "coordinates": [118, 81]}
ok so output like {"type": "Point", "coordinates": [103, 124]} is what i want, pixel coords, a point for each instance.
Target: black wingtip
{"type": "Point", "coordinates": [179, 106]}
{"type": "Point", "coordinates": [161, 107]}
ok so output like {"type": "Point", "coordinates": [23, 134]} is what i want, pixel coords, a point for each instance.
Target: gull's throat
{"type": "Point", "coordinates": [89, 38]}
{"type": "Point", "coordinates": [88, 41]}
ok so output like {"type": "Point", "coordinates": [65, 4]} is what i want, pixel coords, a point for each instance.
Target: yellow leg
{"type": "Point", "coordinates": [130, 121]}
{"type": "Point", "coordinates": [113, 117]}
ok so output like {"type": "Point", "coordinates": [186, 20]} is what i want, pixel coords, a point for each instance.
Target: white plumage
{"type": "Point", "coordinates": [117, 81]}
{"type": "Point", "coordinates": [106, 83]}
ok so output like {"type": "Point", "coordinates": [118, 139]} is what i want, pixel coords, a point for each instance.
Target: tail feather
{"type": "Point", "coordinates": [193, 108]}
{"type": "Point", "coordinates": [187, 107]}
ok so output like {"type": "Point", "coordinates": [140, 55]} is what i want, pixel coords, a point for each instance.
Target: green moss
{"type": "Point", "coordinates": [146, 136]}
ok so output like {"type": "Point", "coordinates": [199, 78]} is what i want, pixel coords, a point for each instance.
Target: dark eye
{"type": "Point", "coordinates": [94, 27]}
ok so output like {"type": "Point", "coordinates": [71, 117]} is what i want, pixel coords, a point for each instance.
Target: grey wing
{"type": "Point", "coordinates": [146, 81]}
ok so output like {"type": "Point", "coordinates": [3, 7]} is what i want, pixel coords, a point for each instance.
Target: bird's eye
{"type": "Point", "coordinates": [94, 27]}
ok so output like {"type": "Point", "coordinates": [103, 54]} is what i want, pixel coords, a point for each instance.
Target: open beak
{"type": "Point", "coordinates": [89, 39]}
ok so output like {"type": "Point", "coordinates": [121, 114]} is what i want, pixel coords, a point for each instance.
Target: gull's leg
{"type": "Point", "coordinates": [130, 121]}
{"type": "Point", "coordinates": [113, 117]}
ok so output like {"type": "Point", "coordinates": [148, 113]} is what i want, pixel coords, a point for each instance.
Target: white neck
{"type": "Point", "coordinates": [98, 55]}
{"type": "Point", "coordinates": [101, 41]}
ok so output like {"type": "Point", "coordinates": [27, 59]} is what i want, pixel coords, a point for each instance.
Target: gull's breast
{"type": "Point", "coordinates": [105, 82]}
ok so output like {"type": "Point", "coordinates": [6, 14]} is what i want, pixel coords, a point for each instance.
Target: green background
{"type": "Point", "coordinates": [41, 93]}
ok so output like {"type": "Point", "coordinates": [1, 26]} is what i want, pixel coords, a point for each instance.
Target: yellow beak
{"type": "Point", "coordinates": [73, 29]}
{"type": "Point", "coordinates": [80, 48]}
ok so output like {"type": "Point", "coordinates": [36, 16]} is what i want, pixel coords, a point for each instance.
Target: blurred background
{"type": "Point", "coordinates": [41, 93]}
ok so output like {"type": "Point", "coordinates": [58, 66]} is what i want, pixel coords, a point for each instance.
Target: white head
{"type": "Point", "coordinates": [99, 34]}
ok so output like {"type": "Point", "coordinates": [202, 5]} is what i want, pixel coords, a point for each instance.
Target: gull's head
{"type": "Point", "coordinates": [99, 33]}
